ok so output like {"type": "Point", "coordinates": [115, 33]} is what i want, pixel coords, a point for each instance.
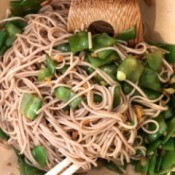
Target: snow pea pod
{"type": "Point", "coordinates": [65, 94]}
{"type": "Point", "coordinates": [152, 164]}
{"type": "Point", "coordinates": [155, 60]}
{"type": "Point", "coordinates": [111, 166]}
{"type": "Point", "coordinates": [168, 160]}
{"type": "Point", "coordinates": [3, 36]}
{"type": "Point", "coordinates": [153, 146]}
{"type": "Point", "coordinates": [110, 69]}
{"type": "Point", "coordinates": [3, 135]}
{"type": "Point", "coordinates": [96, 62]}
{"type": "Point", "coordinates": [24, 7]}
{"type": "Point", "coordinates": [150, 80]}
{"type": "Point", "coordinates": [171, 49]}
{"type": "Point", "coordinates": [170, 130]}
{"type": "Point", "coordinates": [43, 74]}
{"type": "Point", "coordinates": [142, 165]}
{"type": "Point", "coordinates": [39, 153]}
{"type": "Point", "coordinates": [26, 169]}
{"type": "Point", "coordinates": [50, 64]}
{"type": "Point", "coordinates": [127, 34]}
{"type": "Point", "coordinates": [131, 68]}
{"type": "Point", "coordinates": [152, 95]}
{"type": "Point", "coordinates": [169, 145]}
{"type": "Point", "coordinates": [162, 128]}
{"type": "Point", "coordinates": [30, 105]}
{"type": "Point", "coordinates": [103, 40]}
{"type": "Point", "coordinates": [65, 47]}
{"type": "Point", "coordinates": [116, 100]}
{"type": "Point", "coordinates": [12, 29]}
{"type": "Point", "coordinates": [79, 42]}
{"type": "Point", "coordinates": [168, 113]}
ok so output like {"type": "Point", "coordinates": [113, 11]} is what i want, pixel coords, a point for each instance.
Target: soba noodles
{"type": "Point", "coordinates": [88, 132]}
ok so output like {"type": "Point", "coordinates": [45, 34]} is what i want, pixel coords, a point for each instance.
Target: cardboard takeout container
{"type": "Point", "coordinates": [160, 24]}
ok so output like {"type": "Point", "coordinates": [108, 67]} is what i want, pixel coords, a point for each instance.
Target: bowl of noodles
{"type": "Point", "coordinates": [91, 98]}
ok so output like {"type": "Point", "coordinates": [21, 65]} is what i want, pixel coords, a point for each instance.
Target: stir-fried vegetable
{"type": "Point", "coordinates": [64, 47]}
{"type": "Point", "coordinates": [152, 95]}
{"type": "Point", "coordinates": [130, 69]}
{"type": "Point", "coordinates": [170, 130]}
{"type": "Point", "coordinates": [160, 132]}
{"type": "Point", "coordinates": [26, 169]}
{"type": "Point", "coordinates": [3, 135]}
{"type": "Point", "coordinates": [110, 69]}
{"type": "Point", "coordinates": [142, 166]}
{"type": "Point", "coordinates": [50, 64]}
{"type": "Point", "coordinates": [102, 41]}
{"type": "Point", "coordinates": [79, 42]}
{"type": "Point", "coordinates": [24, 7]}
{"type": "Point", "coordinates": [116, 100]}
{"type": "Point", "coordinates": [12, 29]}
{"type": "Point", "coordinates": [8, 34]}
{"type": "Point", "coordinates": [128, 34]}
{"type": "Point", "coordinates": [143, 72]}
{"type": "Point", "coordinates": [96, 62]}
{"type": "Point", "coordinates": [39, 153]}
{"type": "Point", "coordinates": [153, 147]}
{"type": "Point", "coordinates": [168, 160]}
{"type": "Point", "coordinates": [111, 166]}
{"type": "Point", "coordinates": [171, 49]}
{"type": "Point", "coordinates": [169, 145]}
{"type": "Point", "coordinates": [152, 164]}
{"type": "Point", "coordinates": [30, 105]}
{"type": "Point", "coordinates": [3, 36]}
{"type": "Point", "coordinates": [43, 74]}
{"type": "Point", "coordinates": [64, 94]}
{"type": "Point", "coordinates": [150, 80]}
{"type": "Point", "coordinates": [155, 60]}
